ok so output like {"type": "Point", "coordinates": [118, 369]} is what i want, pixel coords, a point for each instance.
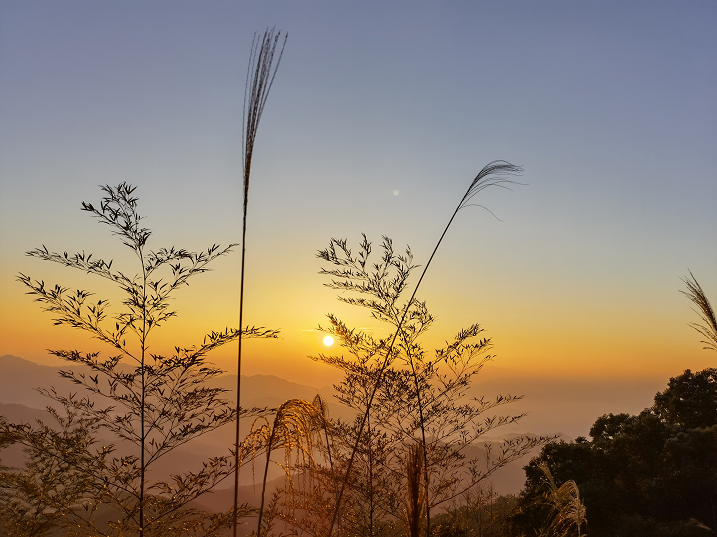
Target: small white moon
{"type": "Point", "coordinates": [395, 192]}
{"type": "Point", "coordinates": [328, 341]}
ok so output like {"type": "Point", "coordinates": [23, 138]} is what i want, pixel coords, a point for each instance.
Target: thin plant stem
{"type": "Point", "coordinates": [256, 91]}
{"type": "Point", "coordinates": [143, 437]}
{"type": "Point", "coordinates": [493, 174]}
{"type": "Point", "coordinates": [370, 477]}
{"type": "Point", "coordinates": [413, 471]}
{"type": "Point", "coordinates": [426, 478]}
{"type": "Point", "coordinates": [266, 473]}
{"type": "Point", "coordinates": [319, 402]}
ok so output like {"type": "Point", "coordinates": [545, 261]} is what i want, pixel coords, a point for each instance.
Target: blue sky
{"type": "Point", "coordinates": [609, 107]}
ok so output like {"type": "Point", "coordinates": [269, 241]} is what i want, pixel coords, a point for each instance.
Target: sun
{"type": "Point", "coordinates": [328, 341]}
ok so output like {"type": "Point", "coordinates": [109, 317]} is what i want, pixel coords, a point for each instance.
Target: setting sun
{"type": "Point", "coordinates": [328, 341]}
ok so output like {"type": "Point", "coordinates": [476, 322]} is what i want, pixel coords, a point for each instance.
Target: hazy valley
{"type": "Point", "coordinates": [557, 406]}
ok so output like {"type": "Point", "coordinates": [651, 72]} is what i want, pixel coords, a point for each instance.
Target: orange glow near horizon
{"type": "Point", "coordinates": [555, 345]}
{"type": "Point", "coordinates": [540, 325]}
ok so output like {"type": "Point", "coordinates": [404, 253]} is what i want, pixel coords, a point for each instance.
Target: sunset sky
{"type": "Point", "coordinates": [380, 116]}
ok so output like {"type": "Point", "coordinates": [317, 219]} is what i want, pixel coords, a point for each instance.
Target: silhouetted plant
{"type": "Point", "coordinates": [704, 310]}
{"type": "Point", "coordinates": [496, 173]}
{"type": "Point", "coordinates": [690, 400]}
{"type": "Point", "coordinates": [654, 473]}
{"type": "Point", "coordinates": [34, 500]}
{"type": "Point", "coordinates": [153, 402]}
{"type": "Point", "coordinates": [260, 76]}
{"type": "Point", "coordinates": [386, 378]}
{"type": "Point", "coordinates": [479, 513]}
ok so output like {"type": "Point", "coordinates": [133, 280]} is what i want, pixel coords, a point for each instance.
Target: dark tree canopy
{"type": "Point", "coordinates": [653, 474]}
{"type": "Point", "coordinates": [690, 400]}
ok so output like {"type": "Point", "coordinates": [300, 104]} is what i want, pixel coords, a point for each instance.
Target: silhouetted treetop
{"type": "Point", "coordinates": [690, 400]}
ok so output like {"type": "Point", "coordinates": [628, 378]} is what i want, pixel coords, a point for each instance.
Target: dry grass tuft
{"type": "Point", "coordinates": [568, 512]}
{"type": "Point", "coordinates": [293, 429]}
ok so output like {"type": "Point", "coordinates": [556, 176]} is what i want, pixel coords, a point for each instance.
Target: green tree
{"type": "Point", "coordinates": [150, 403]}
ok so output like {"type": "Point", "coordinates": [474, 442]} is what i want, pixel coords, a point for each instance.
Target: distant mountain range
{"type": "Point", "coordinates": [554, 406]}
{"type": "Point", "coordinates": [19, 379]}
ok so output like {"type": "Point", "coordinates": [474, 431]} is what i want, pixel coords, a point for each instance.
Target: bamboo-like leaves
{"type": "Point", "coordinates": [383, 281]}
{"type": "Point", "coordinates": [412, 398]}
{"type": "Point", "coordinates": [153, 404]}
{"type": "Point", "coordinates": [496, 173]}
{"type": "Point", "coordinates": [147, 298]}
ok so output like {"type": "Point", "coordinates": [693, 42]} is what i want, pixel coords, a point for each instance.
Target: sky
{"type": "Point", "coordinates": [380, 116]}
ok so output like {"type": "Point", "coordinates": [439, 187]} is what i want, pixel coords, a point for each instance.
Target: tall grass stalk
{"type": "Point", "coordinates": [259, 79]}
{"type": "Point", "coordinates": [495, 173]}
{"type": "Point", "coordinates": [419, 400]}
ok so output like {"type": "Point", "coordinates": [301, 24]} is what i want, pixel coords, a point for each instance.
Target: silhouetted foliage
{"type": "Point", "coordinates": [353, 276]}
{"type": "Point", "coordinates": [690, 400]}
{"type": "Point", "coordinates": [151, 404]}
{"type": "Point", "coordinates": [384, 446]}
{"type": "Point", "coordinates": [478, 514]}
{"type": "Point", "coordinates": [650, 474]}
{"type": "Point", "coordinates": [52, 484]}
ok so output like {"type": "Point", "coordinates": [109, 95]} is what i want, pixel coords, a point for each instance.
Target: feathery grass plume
{"type": "Point", "coordinates": [697, 296]}
{"type": "Point", "coordinates": [495, 173]}
{"type": "Point", "coordinates": [567, 510]}
{"type": "Point", "coordinates": [259, 79]}
{"type": "Point", "coordinates": [292, 429]}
